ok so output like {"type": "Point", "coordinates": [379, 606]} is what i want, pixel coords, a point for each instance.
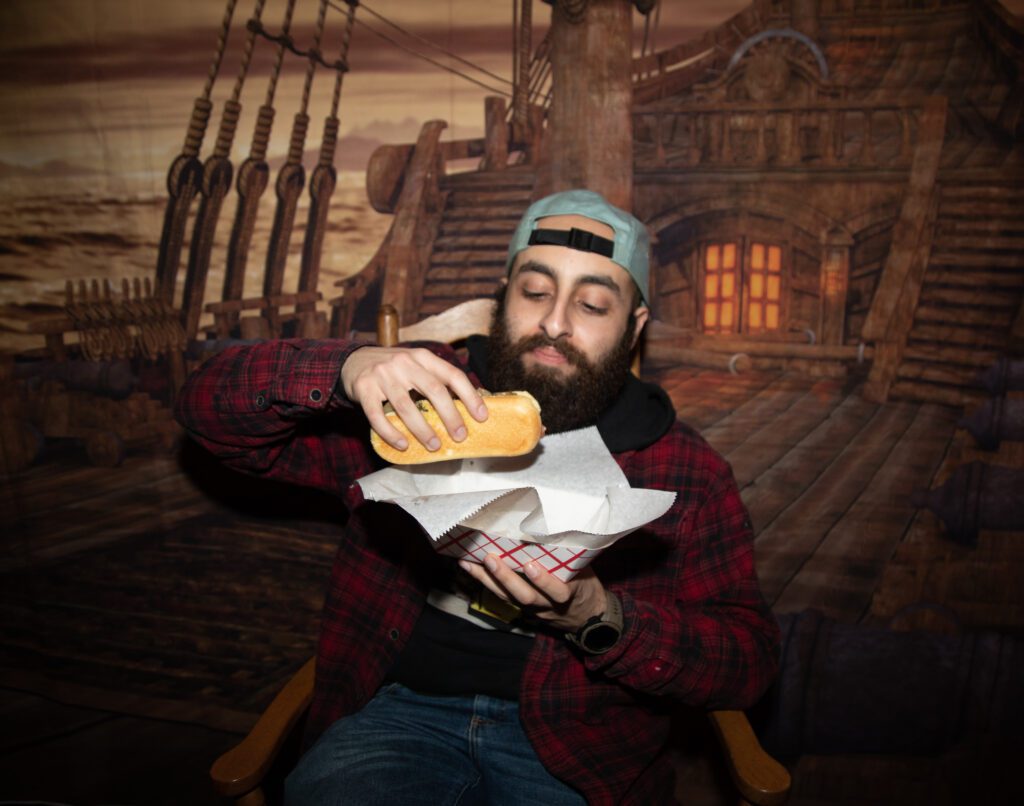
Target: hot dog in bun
{"type": "Point", "coordinates": [512, 428]}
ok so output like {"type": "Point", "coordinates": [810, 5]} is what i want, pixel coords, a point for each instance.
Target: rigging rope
{"type": "Point", "coordinates": [225, 26]}
{"type": "Point", "coordinates": [250, 42]}
{"type": "Point", "coordinates": [253, 177]}
{"type": "Point", "coordinates": [432, 44]}
{"type": "Point", "coordinates": [185, 175]}
{"type": "Point", "coordinates": [521, 98]}
{"type": "Point", "coordinates": [426, 58]}
{"type": "Point", "coordinates": [313, 54]}
{"type": "Point", "coordinates": [275, 73]}
{"type": "Point", "coordinates": [346, 40]}
{"type": "Point", "coordinates": [321, 187]}
{"type": "Point", "coordinates": [291, 179]}
{"type": "Point", "coordinates": [217, 175]}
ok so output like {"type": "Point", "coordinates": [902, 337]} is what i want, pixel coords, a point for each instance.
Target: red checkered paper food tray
{"type": "Point", "coordinates": [563, 562]}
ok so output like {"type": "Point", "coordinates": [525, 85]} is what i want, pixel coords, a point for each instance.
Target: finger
{"type": "Point", "coordinates": [408, 412]}
{"type": "Point", "coordinates": [441, 382]}
{"type": "Point", "coordinates": [470, 396]}
{"type": "Point", "coordinates": [456, 380]}
{"type": "Point", "coordinates": [518, 588]}
{"type": "Point", "coordinates": [437, 393]}
{"type": "Point", "coordinates": [481, 575]}
{"type": "Point", "coordinates": [551, 586]}
{"type": "Point", "coordinates": [382, 425]}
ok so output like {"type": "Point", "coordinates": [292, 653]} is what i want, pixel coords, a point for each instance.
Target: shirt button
{"type": "Point", "coordinates": [315, 395]}
{"type": "Point", "coordinates": [393, 634]}
{"type": "Point", "coordinates": [261, 401]}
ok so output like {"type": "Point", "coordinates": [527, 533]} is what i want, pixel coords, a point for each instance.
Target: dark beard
{"type": "Point", "coordinates": [565, 403]}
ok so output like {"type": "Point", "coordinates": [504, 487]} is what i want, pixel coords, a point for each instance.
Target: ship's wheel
{"type": "Point", "coordinates": [769, 55]}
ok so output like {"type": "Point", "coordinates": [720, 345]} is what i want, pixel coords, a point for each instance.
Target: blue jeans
{"type": "Point", "coordinates": [406, 749]}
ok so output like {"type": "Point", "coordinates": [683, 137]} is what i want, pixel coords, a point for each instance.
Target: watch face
{"type": "Point", "coordinates": [600, 637]}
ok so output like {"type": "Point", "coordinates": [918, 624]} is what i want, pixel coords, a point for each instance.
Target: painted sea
{"type": "Point", "coordinates": [55, 228]}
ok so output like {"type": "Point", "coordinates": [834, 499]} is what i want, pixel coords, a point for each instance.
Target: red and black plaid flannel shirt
{"type": "Point", "coordinates": [698, 631]}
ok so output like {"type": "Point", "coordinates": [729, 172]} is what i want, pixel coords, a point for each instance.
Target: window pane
{"type": "Point", "coordinates": [771, 316]}
{"type": "Point", "coordinates": [774, 258]}
{"type": "Point", "coordinates": [726, 314]}
{"type": "Point", "coordinates": [728, 285]}
{"type": "Point", "coordinates": [711, 261]}
{"type": "Point", "coordinates": [757, 256]}
{"type": "Point", "coordinates": [710, 315]}
{"type": "Point", "coordinates": [756, 286]}
{"type": "Point", "coordinates": [711, 286]}
{"type": "Point", "coordinates": [754, 315]}
{"type": "Point", "coordinates": [729, 256]}
{"type": "Point", "coordinates": [774, 285]}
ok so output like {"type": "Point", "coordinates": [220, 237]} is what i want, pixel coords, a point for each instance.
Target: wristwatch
{"type": "Point", "coordinates": [600, 633]}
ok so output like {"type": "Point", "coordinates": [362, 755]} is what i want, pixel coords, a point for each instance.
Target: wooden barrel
{"type": "Point", "coordinates": [113, 379]}
{"type": "Point", "coordinates": [851, 688]}
{"type": "Point", "coordinates": [997, 419]}
{"type": "Point", "coordinates": [977, 496]}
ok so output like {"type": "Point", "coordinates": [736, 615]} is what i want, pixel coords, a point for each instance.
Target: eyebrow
{"type": "Point", "coordinates": [587, 279]}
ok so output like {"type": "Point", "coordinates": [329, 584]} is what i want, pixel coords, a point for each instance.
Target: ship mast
{"type": "Point", "coordinates": [589, 123]}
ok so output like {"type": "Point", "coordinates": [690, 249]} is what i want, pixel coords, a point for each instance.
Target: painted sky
{"type": "Point", "coordinates": [108, 85]}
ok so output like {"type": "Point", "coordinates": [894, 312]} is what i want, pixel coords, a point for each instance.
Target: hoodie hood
{"type": "Point", "coordinates": [639, 416]}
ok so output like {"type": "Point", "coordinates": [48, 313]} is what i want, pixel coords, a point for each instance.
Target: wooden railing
{"type": "Point", "coordinates": [829, 134]}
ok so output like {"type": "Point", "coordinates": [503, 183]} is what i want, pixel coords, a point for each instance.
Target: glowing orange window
{"type": "Point", "coordinates": [720, 288]}
{"type": "Point", "coordinates": [764, 287]}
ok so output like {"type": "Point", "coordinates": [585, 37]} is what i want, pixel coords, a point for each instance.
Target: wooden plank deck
{"type": "Point", "coordinates": [826, 475]}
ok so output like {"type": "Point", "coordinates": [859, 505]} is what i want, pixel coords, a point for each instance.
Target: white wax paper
{"type": "Point", "coordinates": [568, 492]}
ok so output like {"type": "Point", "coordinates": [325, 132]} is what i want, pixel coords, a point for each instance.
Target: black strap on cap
{"type": "Point", "coordinates": [574, 238]}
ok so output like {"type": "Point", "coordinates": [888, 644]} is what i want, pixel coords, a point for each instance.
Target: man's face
{"type": "Point", "coordinates": [565, 328]}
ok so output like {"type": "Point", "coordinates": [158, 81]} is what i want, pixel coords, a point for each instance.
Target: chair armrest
{"type": "Point", "coordinates": [243, 767]}
{"type": "Point", "coordinates": [759, 778]}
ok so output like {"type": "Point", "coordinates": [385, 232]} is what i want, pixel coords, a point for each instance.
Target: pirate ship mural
{"type": "Point", "coordinates": [834, 192]}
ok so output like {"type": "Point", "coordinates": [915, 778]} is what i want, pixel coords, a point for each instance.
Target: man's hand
{"type": "Point", "coordinates": [565, 605]}
{"type": "Point", "coordinates": [372, 375]}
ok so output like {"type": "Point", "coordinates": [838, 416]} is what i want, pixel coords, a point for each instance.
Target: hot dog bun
{"type": "Point", "coordinates": [512, 428]}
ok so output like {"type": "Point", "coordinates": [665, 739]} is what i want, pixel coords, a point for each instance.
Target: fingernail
{"type": "Point", "coordinates": [460, 433]}
{"type": "Point", "coordinates": [491, 563]}
{"type": "Point", "coordinates": [434, 444]}
{"type": "Point", "coordinates": [464, 564]}
{"type": "Point", "coordinates": [532, 570]}
{"type": "Point", "coordinates": [481, 412]}
{"type": "Point", "coordinates": [401, 444]}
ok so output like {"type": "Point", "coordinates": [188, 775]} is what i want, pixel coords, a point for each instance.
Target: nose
{"type": "Point", "coordinates": [555, 321]}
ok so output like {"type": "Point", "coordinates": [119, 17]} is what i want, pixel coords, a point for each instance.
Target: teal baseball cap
{"type": "Point", "coordinates": [630, 248]}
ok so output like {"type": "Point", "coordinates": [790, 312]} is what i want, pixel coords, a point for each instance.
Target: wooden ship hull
{"type": "Point", "coordinates": [834, 191]}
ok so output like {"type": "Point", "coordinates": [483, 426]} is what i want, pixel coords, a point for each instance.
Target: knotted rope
{"type": "Point", "coordinates": [324, 178]}
{"type": "Point", "coordinates": [291, 179]}
{"type": "Point", "coordinates": [217, 175]}
{"type": "Point", "coordinates": [185, 174]}
{"type": "Point", "coordinates": [254, 173]}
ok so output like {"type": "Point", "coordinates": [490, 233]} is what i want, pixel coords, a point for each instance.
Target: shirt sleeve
{"type": "Point", "coordinates": [263, 409]}
{"type": "Point", "coordinates": [717, 644]}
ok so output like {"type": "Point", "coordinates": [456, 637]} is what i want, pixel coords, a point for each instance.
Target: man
{"type": "Point", "coordinates": [544, 692]}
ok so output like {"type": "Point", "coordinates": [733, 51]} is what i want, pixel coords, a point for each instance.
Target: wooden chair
{"type": "Point", "coordinates": [242, 771]}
